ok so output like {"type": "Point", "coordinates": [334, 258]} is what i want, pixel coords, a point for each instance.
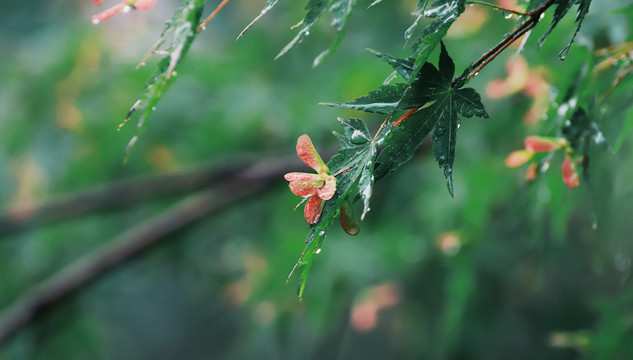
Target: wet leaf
{"type": "Point", "coordinates": [354, 166]}
{"type": "Point", "coordinates": [445, 12]}
{"type": "Point", "coordinates": [562, 7]}
{"type": "Point", "coordinates": [269, 5]}
{"type": "Point", "coordinates": [436, 106]}
{"type": "Point", "coordinates": [340, 10]}
{"type": "Point", "coordinates": [174, 42]}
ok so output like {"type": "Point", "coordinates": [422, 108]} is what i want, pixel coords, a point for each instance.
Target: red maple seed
{"type": "Point", "coordinates": [570, 176]}
{"type": "Point", "coordinates": [518, 158]}
{"type": "Point", "coordinates": [543, 144]}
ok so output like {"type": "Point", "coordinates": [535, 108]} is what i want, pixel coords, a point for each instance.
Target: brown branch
{"type": "Point", "coordinates": [534, 17]}
{"type": "Point", "coordinates": [118, 195]}
{"type": "Point", "coordinates": [137, 240]}
{"type": "Point", "coordinates": [217, 9]}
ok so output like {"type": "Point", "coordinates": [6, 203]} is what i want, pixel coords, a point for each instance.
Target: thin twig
{"type": "Point", "coordinates": [217, 9]}
{"type": "Point", "coordinates": [135, 241]}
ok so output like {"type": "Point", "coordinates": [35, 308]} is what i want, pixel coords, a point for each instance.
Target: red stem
{"type": "Point", "coordinates": [406, 115]}
{"type": "Point", "coordinates": [217, 9]}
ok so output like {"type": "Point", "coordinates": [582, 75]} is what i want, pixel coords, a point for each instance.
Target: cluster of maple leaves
{"type": "Point", "coordinates": [432, 99]}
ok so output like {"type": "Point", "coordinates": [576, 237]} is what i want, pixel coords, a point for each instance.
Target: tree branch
{"type": "Point", "coordinates": [118, 195]}
{"type": "Point", "coordinates": [137, 240]}
{"type": "Point", "coordinates": [534, 17]}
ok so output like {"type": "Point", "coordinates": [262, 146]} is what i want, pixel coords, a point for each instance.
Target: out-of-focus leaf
{"type": "Point", "coordinates": [341, 11]}
{"type": "Point", "coordinates": [269, 5]}
{"type": "Point", "coordinates": [582, 128]}
{"type": "Point", "coordinates": [315, 8]}
{"type": "Point", "coordinates": [175, 42]}
{"type": "Point", "coordinates": [583, 9]}
{"type": "Point", "coordinates": [420, 9]}
{"type": "Point", "coordinates": [562, 7]}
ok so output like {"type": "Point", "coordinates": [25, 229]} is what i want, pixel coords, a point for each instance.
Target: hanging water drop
{"type": "Point", "coordinates": [95, 21]}
{"type": "Point", "coordinates": [507, 14]}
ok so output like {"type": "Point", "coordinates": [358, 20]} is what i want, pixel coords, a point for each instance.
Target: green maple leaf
{"type": "Point", "coordinates": [436, 104]}
{"type": "Point", "coordinates": [354, 166]}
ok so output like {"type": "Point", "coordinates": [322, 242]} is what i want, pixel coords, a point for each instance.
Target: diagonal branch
{"type": "Point", "coordinates": [118, 195]}
{"type": "Point", "coordinates": [534, 17]}
{"type": "Point", "coordinates": [135, 241]}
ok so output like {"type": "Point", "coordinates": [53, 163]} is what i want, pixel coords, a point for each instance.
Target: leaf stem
{"type": "Point", "coordinates": [496, 7]}
{"type": "Point", "coordinates": [217, 9]}
{"type": "Point", "coordinates": [406, 115]}
{"type": "Point", "coordinates": [485, 59]}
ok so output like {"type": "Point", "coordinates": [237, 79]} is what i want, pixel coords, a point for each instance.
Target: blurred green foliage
{"type": "Point", "coordinates": [506, 269]}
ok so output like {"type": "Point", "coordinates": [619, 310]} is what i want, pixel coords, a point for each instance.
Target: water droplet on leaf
{"type": "Point", "coordinates": [322, 232]}
{"type": "Point", "coordinates": [358, 137]}
{"type": "Point", "coordinates": [317, 251]}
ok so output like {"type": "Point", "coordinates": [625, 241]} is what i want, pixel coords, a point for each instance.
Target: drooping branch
{"type": "Point", "coordinates": [136, 240]}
